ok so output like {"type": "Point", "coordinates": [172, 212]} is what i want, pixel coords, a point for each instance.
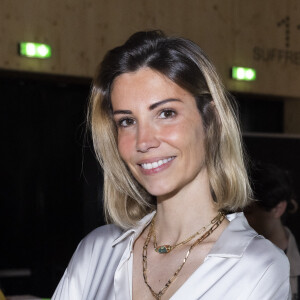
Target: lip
{"type": "Point", "coordinates": [154, 159]}
{"type": "Point", "coordinates": [158, 168]}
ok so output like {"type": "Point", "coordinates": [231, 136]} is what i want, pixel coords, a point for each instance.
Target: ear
{"type": "Point", "coordinates": [279, 209]}
{"type": "Point", "coordinates": [295, 206]}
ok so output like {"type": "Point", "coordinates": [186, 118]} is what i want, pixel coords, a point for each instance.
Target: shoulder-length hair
{"type": "Point", "coordinates": [184, 62]}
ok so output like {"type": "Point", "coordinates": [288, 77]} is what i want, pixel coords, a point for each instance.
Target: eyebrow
{"type": "Point", "coordinates": [151, 107]}
{"type": "Point", "coordinates": [154, 105]}
{"type": "Point", "coordinates": [122, 112]}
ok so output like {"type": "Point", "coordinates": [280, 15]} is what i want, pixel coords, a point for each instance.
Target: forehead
{"type": "Point", "coordinates": [145, 84]}
{"type": "Point", "coordinates": [142, 77]}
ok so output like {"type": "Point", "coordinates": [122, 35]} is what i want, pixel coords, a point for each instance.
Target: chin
{"type": "Point", "coordinates": [161, 190]}
{"type": "Point", "coordinates": [155, 189]}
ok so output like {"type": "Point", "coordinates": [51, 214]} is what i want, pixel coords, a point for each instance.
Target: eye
{"type": "Point", "coordinates": [167, 114]}
{"type": "Point", "coordinates": [125, 122]}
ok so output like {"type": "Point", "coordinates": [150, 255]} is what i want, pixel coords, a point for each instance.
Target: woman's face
{"type": "Point", "coordinates": [160, 131]}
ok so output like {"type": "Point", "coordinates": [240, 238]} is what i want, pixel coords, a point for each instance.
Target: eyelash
{"type": "Point", "coordinates": [164, 111]}
{"type": "Point", "coordinates": [119, 123]}
{"type": "Point", "coordinates": [168, 110]}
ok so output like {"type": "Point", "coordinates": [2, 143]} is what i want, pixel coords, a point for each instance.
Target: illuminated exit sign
{"type": "Point", "coordinates": [34, 50]}
{"type": "Point", "coordinates": [241, 73]}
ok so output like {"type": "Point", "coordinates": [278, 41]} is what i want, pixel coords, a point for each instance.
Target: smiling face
{"type": "Point", "coordinates": [160, 131]}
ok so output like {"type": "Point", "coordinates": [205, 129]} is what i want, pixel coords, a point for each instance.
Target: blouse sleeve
{"type": "Point", "coordinates": [90, 265]}
{"type": "Point", "coordinates": [61, 291]}
{"type": "Point", "coordinates": [274, 283]}
{"type": "Point", "coordinates": [78, 267]}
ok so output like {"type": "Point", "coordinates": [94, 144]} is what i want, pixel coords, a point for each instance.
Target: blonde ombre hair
{"type": "Point", "coordinates": [182, 61]}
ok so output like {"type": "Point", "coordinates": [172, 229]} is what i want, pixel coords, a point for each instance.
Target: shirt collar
{"type": "Point", "coordinates": [137, 230]}
{"type": "Point", "coordinates": [232, 242]}
{"type": "Point", "coordinates": [235, 238]}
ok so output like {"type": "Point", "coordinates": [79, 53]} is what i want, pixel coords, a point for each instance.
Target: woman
{"type": "Point", "coordinates": [169, 144]}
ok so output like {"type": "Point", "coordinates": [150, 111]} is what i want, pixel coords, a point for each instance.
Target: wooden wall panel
{"type": "Point", "coordinates": [292, 117]}
{"type": "Point", "coordinates": [232, 32]}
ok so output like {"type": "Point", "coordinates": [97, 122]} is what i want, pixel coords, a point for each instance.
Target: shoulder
{"type": "Point", "coordinates": [268, 267]}
{"type": "Point", "coordinates": [241, 241]}
{"type": "Point", "coordinates": [266, 253]}
{"type": "Point", "coordinates": [256, 246]}
{"type": "Point", "coordinates": [98, 242]}
{"type": "Point", "coordinates": [94, 259]}
{"type": "Point", "coordinates": [268, 261]}
{"type": "Point", "coordinates": [95, 247]}
{"type": "Point", "coordinates": [104, 234]}
{"type": "Point", "coordinates": [263, 267]}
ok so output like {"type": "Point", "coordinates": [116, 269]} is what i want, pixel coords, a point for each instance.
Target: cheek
{"type": "Point", "coordinates": [171, 134]}
{"type": "Point", "coordinates": [125, 147]}
{"type": "Point", "coordinates": [187, 134]}
{"type": "Point", "coordinates": [176, 131]}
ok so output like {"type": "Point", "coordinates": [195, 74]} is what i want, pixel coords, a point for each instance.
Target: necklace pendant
{"type": "Point", "coordinates": [163, 249]}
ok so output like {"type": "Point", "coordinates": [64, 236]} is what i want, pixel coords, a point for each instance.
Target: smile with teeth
{"type": "Point", "coordinates": [149, 166]}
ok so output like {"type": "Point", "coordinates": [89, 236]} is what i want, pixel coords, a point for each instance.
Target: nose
{"type": "Point", "coordinates": [147, 137]}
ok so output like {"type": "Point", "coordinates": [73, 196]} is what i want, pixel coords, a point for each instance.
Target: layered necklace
{"type": "Point", "coordinates": [164, 249]}
{"type": "Point", "coordinates": [208, 230]}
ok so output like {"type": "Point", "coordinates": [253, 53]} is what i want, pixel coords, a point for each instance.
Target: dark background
{"type": "Point", "coordinates": [51, 184]}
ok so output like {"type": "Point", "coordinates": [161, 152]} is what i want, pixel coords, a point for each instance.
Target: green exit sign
{"type": "Point", "coordinates": [241, 73]}
{"type": "Point", "coordinates": [35, 50]}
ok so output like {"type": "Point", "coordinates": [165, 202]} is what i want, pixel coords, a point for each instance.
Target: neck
{"type": "Point", "coordinates": [185, 212]}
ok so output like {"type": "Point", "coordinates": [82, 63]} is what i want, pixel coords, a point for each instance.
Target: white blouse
{"type": "Point", "coordinates": [241, 265]}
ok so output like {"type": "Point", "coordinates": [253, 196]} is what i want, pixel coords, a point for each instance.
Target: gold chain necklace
{"type": "Point", "coordinates": [216, 221]}
{"type": "Point", "coordinates": [164, 249]}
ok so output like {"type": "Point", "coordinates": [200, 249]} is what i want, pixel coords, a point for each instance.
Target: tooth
{"type": "Point", "coordinates": [154, 165]}
{"type": "Point", "coordinates": [149, 166]}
